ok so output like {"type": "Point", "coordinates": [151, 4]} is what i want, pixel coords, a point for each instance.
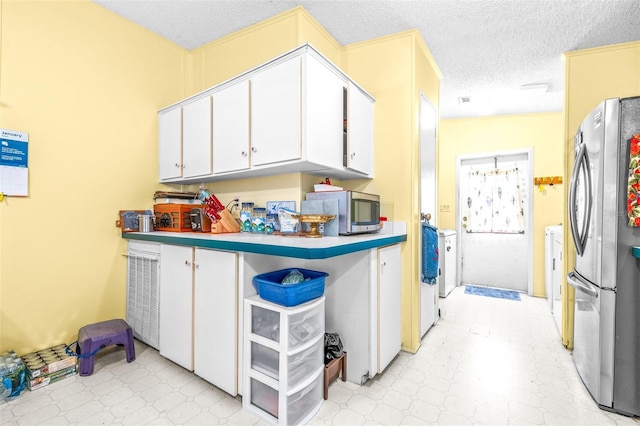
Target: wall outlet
{"type": "Point", "coordinates": [235, 204]}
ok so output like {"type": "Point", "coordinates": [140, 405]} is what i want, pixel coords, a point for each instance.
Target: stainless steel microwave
{"type": "Point", "coordinates": [358, 212]}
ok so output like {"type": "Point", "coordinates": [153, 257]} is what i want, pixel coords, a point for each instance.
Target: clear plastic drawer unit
{"type": "Point", "coordinates": [284, 360]}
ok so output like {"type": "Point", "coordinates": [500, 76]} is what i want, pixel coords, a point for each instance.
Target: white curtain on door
{"type": "Point", "coordinates": [494, 201]}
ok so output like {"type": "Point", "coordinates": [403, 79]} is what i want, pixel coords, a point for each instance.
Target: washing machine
{"type": "Point", "coordinates": [448, 261]}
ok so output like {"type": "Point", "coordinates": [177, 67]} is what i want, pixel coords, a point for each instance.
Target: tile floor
{"type": "Point", "coordinates": [487, 362]}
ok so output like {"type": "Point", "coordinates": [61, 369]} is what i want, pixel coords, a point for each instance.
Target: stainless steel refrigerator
{"type": "Point", "coordinates": [606, 275]}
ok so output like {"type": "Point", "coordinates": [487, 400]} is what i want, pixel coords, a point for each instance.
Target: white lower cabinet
{"type": "Point", "coordinates": [215, 318]}
{"type": "Point", "coordinates": [283, 360]}
{"type": "Point", "coordinates": [389, 305]}
{"type": "Point", "coordinates": [198, 321]}
{"type": "Point", "coordinates": [176, 304]}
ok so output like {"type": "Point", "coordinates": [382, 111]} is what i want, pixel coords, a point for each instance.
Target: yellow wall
{"type": "Point", "coordinates": [542, 132]}
{"type": "Point", "coordinates": [394, 69]}
{"type": "Point", "coordinates": [236, 53]}
{"type": "Point", "coordinates": [86, 85]}
{"type": "Point", "coordinates": [591, 76]}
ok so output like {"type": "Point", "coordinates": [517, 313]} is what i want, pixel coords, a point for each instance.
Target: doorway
{"type": "Point", "coordinates": [494, 217]}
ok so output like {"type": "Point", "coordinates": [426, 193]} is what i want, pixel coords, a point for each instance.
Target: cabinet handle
{"type": "Point", "coordinates": [186, 262]}
{"type": "Point", "coordinates": [244, 153]}
{"type": "Point", "coordinates": [353, 154]}
{"type": "Point", "coordinates": [384, 263]}
{"type": "Point", "coordinates": [254, 149]}
{"type": "Point", "coordinates": [177, 165]}
{"type": "Point", "coordinates": [195, 265]}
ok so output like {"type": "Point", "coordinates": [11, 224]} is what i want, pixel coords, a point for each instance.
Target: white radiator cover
{"type": "Point", "coordinates": [143, 296]}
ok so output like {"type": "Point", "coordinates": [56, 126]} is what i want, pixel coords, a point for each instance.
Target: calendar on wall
{"type": "Point", "coordinates": [14, 170]}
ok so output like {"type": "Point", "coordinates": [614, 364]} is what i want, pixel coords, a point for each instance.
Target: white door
{"type": "Point", "coordinates": [196, 138]}
{"type": "Point", "coordinates": [170, 144]}
{"type": "Point", "coordinates": [494, 226]}
{"type": "Point", "coordinates": [275, 113]}
{"type": "Point", "coordinates": [323, 114]}
{"type": "Point", "coordinates": [428, 196]}
{"type": "Point", "coordinates": [231, 128]}
{"type": "Point", "coordinates": [215, 346]}
{"type": "Point", "coordinates": [176, 309]}
{"type": "Point", "coordinates": [389, 303]}
{"type": "Point", "coordinates": [359, 131]}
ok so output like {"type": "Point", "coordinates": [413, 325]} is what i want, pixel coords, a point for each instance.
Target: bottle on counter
{"type": "Point", "coordinates": [258, 220]}
{"type": "Point", "coordinates": [246, 213]}
{"type": "Point", "coordinates": [270, 224]}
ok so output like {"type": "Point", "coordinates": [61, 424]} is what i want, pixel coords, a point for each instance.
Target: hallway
{"type": "Point", "coordinates": [488, 361]}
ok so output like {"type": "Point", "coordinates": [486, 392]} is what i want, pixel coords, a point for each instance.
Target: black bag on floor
{"type": "Point", "coordinates": [332, 347]}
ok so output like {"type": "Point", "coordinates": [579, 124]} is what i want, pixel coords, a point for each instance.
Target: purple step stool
{"type": "Point", "coordinates": [96, 336]}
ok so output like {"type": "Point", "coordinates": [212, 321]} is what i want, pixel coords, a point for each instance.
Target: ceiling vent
{"type": "Point", "coordinates": [464, 100]}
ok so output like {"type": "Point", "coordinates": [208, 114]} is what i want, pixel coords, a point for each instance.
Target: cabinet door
{"type": "Point", "coordinates": [231, 128]}
{"type": "Point", "coordinates": [389, 302]}
{"type": "Point", "coordinates": [323, 99]}
{"type": "Point", "coordinates": [170, 144]}
{"type": "Point", "coordinates": [275, 113]}
{"type": "Point", "coordinates": [196, 138]}
{"type": "Point", "coordinates": [215, 326]}
{"type": "Point", "coordinates": [359, 131]}
{"type": "Point", "coordinates": [176, 311]}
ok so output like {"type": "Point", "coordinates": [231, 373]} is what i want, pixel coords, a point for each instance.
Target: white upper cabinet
{"type": "Point", "coordinates": [322, 121]}
{"type": "Point", "coordinates": [170, 144]}
{"type": "Point", "coordinates": [185, 141]}
{"type": "Point", "coordinates": [275, 113]}
{"type": "Point", "coordinates": [359, 152]}
{"type": "Point", "coordinates": [196, 138]}
{"type": "Point", "coordinates": [285, 116]}
{"type": "Point", "coordinates": [231, 128]}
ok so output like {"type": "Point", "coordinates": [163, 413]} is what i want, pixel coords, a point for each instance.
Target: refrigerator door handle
{"type": "Point", "coordinates": [580, 237]}
{"type": "Point", "coordinates": [576, 282]}
{"type": "Point", "coordinates": [572, 203]}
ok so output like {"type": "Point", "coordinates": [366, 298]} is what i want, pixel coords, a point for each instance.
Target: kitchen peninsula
{"type": "Point", "coordinates": [200, 281]}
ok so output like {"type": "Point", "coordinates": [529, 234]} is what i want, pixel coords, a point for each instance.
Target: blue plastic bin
{"type": "Point", "coordinates": [270, 287]}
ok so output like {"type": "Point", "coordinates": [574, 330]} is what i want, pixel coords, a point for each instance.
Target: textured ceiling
{"type": "Point", "coordinates": [486, 49]}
